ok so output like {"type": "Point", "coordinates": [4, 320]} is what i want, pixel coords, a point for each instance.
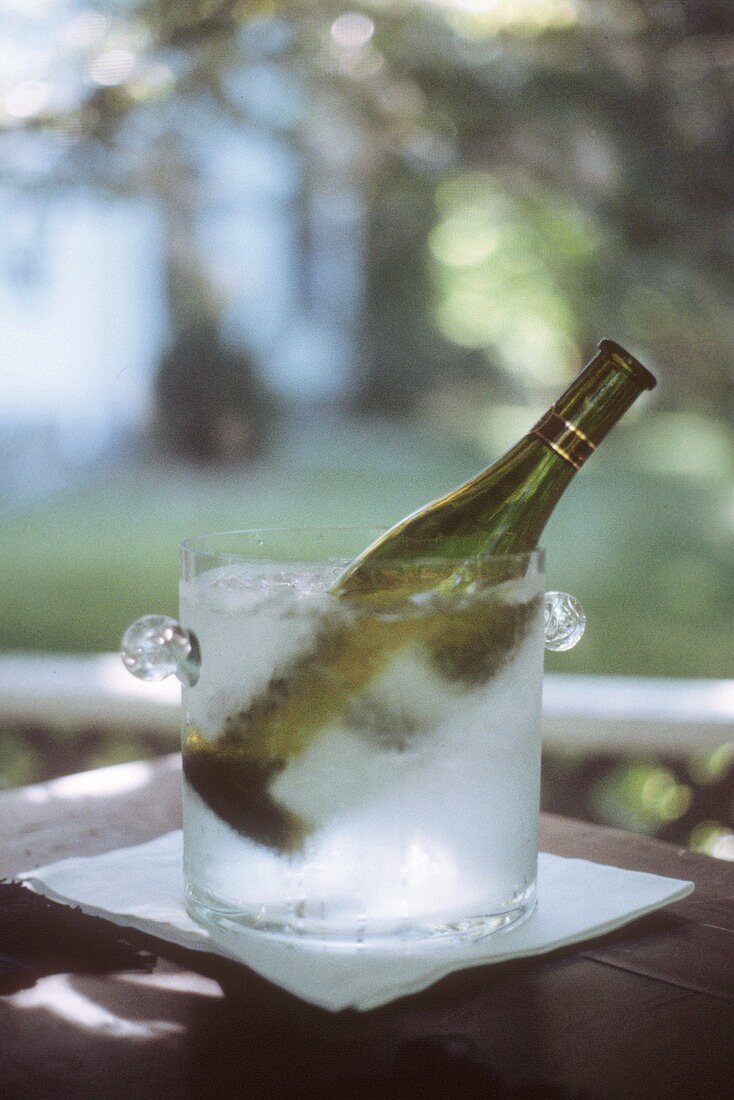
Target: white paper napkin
{"type": "Point", "coordinates": [142, 887]}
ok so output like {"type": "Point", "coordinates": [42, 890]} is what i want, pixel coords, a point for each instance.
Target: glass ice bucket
{"type": "Point", "coordinates": [356, 771]}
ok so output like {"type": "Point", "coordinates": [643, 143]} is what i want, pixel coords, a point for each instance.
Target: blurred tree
{"type": "Point", "coordinates": [402, 351]}
{"type": "Point", "coordinates": [610, 120]}
{"type": "Point", "coordinates": [211, 406]}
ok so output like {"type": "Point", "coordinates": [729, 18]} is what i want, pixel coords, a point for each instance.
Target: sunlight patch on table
{"type": "Point", "coordinates": [99, 783]}
{"type": "Point", "coordinates": [58, 996]}
{"type": "Point", "coordinates": [175, 983]}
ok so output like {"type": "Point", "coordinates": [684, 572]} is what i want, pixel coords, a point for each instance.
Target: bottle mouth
{"type": "Point", "coordinates": [623, 358]}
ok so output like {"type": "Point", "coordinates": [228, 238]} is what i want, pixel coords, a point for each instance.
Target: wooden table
{"type": "Point", "coordinates": [647, 1012]}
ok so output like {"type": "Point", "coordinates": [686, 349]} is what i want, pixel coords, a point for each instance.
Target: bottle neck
{"type": "Point", "coordinates": [578, 421]}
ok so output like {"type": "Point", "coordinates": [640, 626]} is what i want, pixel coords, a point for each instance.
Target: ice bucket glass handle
{"type": "Point", "coordinates": [157, 646]}
{"type": "Point", "coordinates": [565, 621]}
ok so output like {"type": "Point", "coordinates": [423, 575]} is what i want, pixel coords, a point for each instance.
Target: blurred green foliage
{"type": "Point", "coordinates": [534, 174]}
{"type": "Point", "coordinates": [501, 259]}
{"type": "Point", "coordinates": [684, 800]}
{"type": "Point", "coordinates": [36, 753]}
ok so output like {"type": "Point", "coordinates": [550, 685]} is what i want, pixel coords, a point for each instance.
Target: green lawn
{"type": "Point", "coordinates": [647, 554]}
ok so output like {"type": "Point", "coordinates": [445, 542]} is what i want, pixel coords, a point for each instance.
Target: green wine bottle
{"type": "Point", "coordinates": [437, 550]}
{"type": "Point", "coordinates": [504, 509]}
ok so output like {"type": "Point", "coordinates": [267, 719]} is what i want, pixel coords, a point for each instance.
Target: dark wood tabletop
{"type": "Point", "coordinates": [646, 1012]}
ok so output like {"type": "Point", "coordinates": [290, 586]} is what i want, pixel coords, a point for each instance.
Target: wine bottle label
{"type": "Point", "coordinates": [564, 438]}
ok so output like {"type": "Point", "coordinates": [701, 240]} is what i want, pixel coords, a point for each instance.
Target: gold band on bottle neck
{"type": "Point", "coordinates": [564, 438]}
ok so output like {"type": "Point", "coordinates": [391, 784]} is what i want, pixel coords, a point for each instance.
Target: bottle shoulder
{"type": "Point", "coordinates": [501, 510]}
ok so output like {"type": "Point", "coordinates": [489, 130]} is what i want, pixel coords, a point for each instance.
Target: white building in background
{"type": "Point", "coordinates": [286, 264]}
{"type": "Point", "coordinates": [83, 303]}
{"type": "Point", "coordinates": [81, 323]}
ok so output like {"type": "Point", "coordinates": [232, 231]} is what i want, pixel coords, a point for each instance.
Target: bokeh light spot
{"type": "Point", "coordinates": [26, 99]}
{"type": "Point", "coordinates": [352, 30]}
{"type": "Point", "coordinates": [112, 67]}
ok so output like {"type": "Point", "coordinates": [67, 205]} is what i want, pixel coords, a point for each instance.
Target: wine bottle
{"type": "Point", "coordinates": [504, 509]}
{"type": "Point", "coordinates": [437, 550]}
